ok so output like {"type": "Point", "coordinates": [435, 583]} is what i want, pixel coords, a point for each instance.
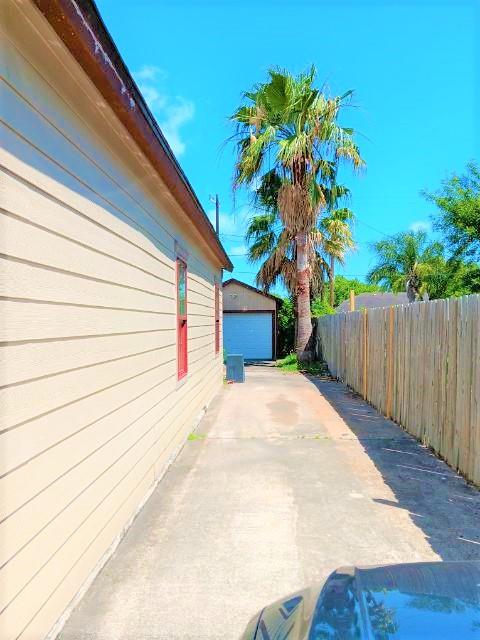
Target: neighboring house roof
{"type": "Point", "coordinates": [372, 300]}
{"type": "Point", "coordinates": [248, 286]}
{"type": "Point", "coordinates": [85, 35]}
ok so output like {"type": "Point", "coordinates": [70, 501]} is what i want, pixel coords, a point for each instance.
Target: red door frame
{"type": "Point", "coordinates": [217, 317]}
{"type": "Point", "coordinates": [182, 325]}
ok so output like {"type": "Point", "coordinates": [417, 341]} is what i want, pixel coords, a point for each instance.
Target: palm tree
{"type": "Point", "coordinates": [405, 262]}
{"type": "Point", "coordinates": [329, 241]}
{"type": "Point", "coordinates": [271, 243]}
{"type": "Point", "coordinates": [278, 252]}
{"type": "Point", "coordinates": [289, 130]}
{"type": "Point", "coordinates": [338, 240]}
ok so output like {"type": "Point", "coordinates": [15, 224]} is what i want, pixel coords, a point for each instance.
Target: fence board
{"type": "Point", "coordinates": [420, 365]}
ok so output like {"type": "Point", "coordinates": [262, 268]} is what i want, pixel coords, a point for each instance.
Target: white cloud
{"type": "Point", "coordinates": [238, 250]}
{"type": "Point", "coordinates": [150, 72]}
{"type": "Point", "coordinates": [171, 112]}
{"type": "Point", "coordinates": [421, 225]}
{"type": "Point", "coordinates": [177, 114]}
{"type": "Point", "coordinates": [153, 97]}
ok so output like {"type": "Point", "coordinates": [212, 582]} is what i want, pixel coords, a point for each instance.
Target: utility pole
{"type": "Point", "coordinates": [217, 212]}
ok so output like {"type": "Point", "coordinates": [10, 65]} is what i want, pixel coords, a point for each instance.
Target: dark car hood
{"type": "Point", "coordinates": [439, 600]}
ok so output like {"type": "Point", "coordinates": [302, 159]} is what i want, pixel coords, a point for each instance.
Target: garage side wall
{"type": "Point", "coordinates": [238, 298]}
{"type": "Point", "coordinates": [91, 409]}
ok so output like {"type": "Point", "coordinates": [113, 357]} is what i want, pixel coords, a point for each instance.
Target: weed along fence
{"type": "Point", "coordinates": [420, 365]}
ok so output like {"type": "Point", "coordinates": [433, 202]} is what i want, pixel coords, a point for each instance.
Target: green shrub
{"type": "Point", "coordinates": [344, 285]}
{"type": "Point", "coordinates": [286, 326]}
{"type": "Point", "coordinates": [290, 364]}
{"type": "Point", "coordinates": [321, 308]}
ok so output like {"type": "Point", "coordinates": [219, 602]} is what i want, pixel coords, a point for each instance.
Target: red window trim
{"type": "Point", "coordinates": [217, 318]}
{"type": "Point", "coordinates": [182, 325]}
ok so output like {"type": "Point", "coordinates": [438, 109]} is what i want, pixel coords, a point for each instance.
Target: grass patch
{"type": "Point", "coordinates": [290, 364]}
{"type": "Point", "coordinates": [195, 436]}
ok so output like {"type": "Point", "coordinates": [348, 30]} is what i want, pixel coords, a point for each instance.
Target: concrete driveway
{"type": "Point", "coordinates": [288, 479]}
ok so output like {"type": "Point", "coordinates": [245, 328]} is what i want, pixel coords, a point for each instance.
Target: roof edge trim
{"type": "Point", "coordinates": [82, 30]}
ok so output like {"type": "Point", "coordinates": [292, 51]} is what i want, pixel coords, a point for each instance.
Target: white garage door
{"type": "Point", "coordinates": [249, 334]}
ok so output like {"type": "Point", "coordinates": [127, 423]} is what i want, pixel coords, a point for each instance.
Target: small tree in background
{"type": "Point", "coordinates": [338, 240]}
{"type": "Point", "coordinates": [344, 285]}
{"type": "Point", "coordinates": [405, 262]}
{"type": "Point", "coordinates": [458, 218]}
{"type": "Point", "coordinates": [320, 307]}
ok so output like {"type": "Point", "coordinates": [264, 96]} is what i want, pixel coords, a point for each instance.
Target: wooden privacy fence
{"type": "Point", "coordinates": [420, 365]}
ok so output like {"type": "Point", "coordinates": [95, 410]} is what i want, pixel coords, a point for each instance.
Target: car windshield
{"type": "Point", "coordinates": [416, 616]}
{"type": "Point", "coordinates": [410, 605]}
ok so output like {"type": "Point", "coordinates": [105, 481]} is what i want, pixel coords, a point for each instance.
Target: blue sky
{"type": "Point", "coordinates": [414, 67]}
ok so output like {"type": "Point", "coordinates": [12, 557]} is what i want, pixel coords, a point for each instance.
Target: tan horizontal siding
{"type": "Point", "coordinates": [21, 160]}
{"type": "Point", "coordinates": [29, 361]}
{"type": "Point", "coordinates": [197, 333]}
{"type": "Point", "coordinates": [26, 401]}
{"type": "Point", "coordinates": [32, 282]}
{"type": "Point", "coordinates": [27, 440]}
{"type": "Point", "coordinates": [84, 226]}
{"type": "Point", "coordinates": [103, 498]}
{"type": "Point", "coordinates": [200, 321]}
{"type": "Point", "coordinates": [89, 457]}
{"type": "Point", "coordinates": [72, 160]}
{"type": "Point", "coordinates": [206, 317]}
{"type": "Point", "coordinates": [54, 119]}
{"type": "Point", "coordinates": [31, 243]}
{"type": "Point", "coordinates": [201, 289]}
{"type": "Point", "coordinates": [28, 623]}
{"type": "Point", "coordinates": [199, 301]}
{"type": "Point", "coordinates": [48, 466]}
{"type": "Point", "coordinates": [32, 320]}
{"type": "Point", "coordinates": [90, 403]}
{"type": "Point", "coordinates": [99, 181]}
{"type": "Point", "coordinates": [200, 356]}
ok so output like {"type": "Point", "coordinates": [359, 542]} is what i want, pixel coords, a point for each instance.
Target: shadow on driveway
{"type": "Point", "coordinates": [438, 500]}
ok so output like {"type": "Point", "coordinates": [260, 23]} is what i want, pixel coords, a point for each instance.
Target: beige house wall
{"type": "Point", "coordinates": [239, 298]}
{"type": "Point", "coordinates": [91, 410]}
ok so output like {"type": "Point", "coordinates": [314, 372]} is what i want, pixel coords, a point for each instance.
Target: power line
{"type": "Point", "coordinates": [246, 254]}
{"type": "Point", "coordinates": [231, 235]}
{"type": "Point", "coordinates": [346, 275]}
{"type": "Point", "coordinates": [366, 224]}
{"type": "Point", "coordinates": [373, 228]}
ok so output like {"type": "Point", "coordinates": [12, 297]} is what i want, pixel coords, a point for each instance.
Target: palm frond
{"type": "Point", "coordinates": [289, 141]}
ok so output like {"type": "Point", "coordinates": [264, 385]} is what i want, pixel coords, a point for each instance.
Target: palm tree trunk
{"type": "Point", "coordinates": [411, 290]}
{"type": "Point", "coordinates": [304, 322]}
{"type": "Point", "coordinates": [295, 322]}
{"type": "Point", "coordinates": [332, 280]}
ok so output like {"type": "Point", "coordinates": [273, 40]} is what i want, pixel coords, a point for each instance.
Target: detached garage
{"type": "Point", "coordinates": [249, 321]}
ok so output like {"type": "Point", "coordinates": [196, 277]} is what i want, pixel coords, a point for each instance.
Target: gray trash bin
{"type": "Point", "coordinates": [235, 368]}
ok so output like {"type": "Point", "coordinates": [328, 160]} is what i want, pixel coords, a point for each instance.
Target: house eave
{"type": "Point", "coordinates": [81, 29]}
